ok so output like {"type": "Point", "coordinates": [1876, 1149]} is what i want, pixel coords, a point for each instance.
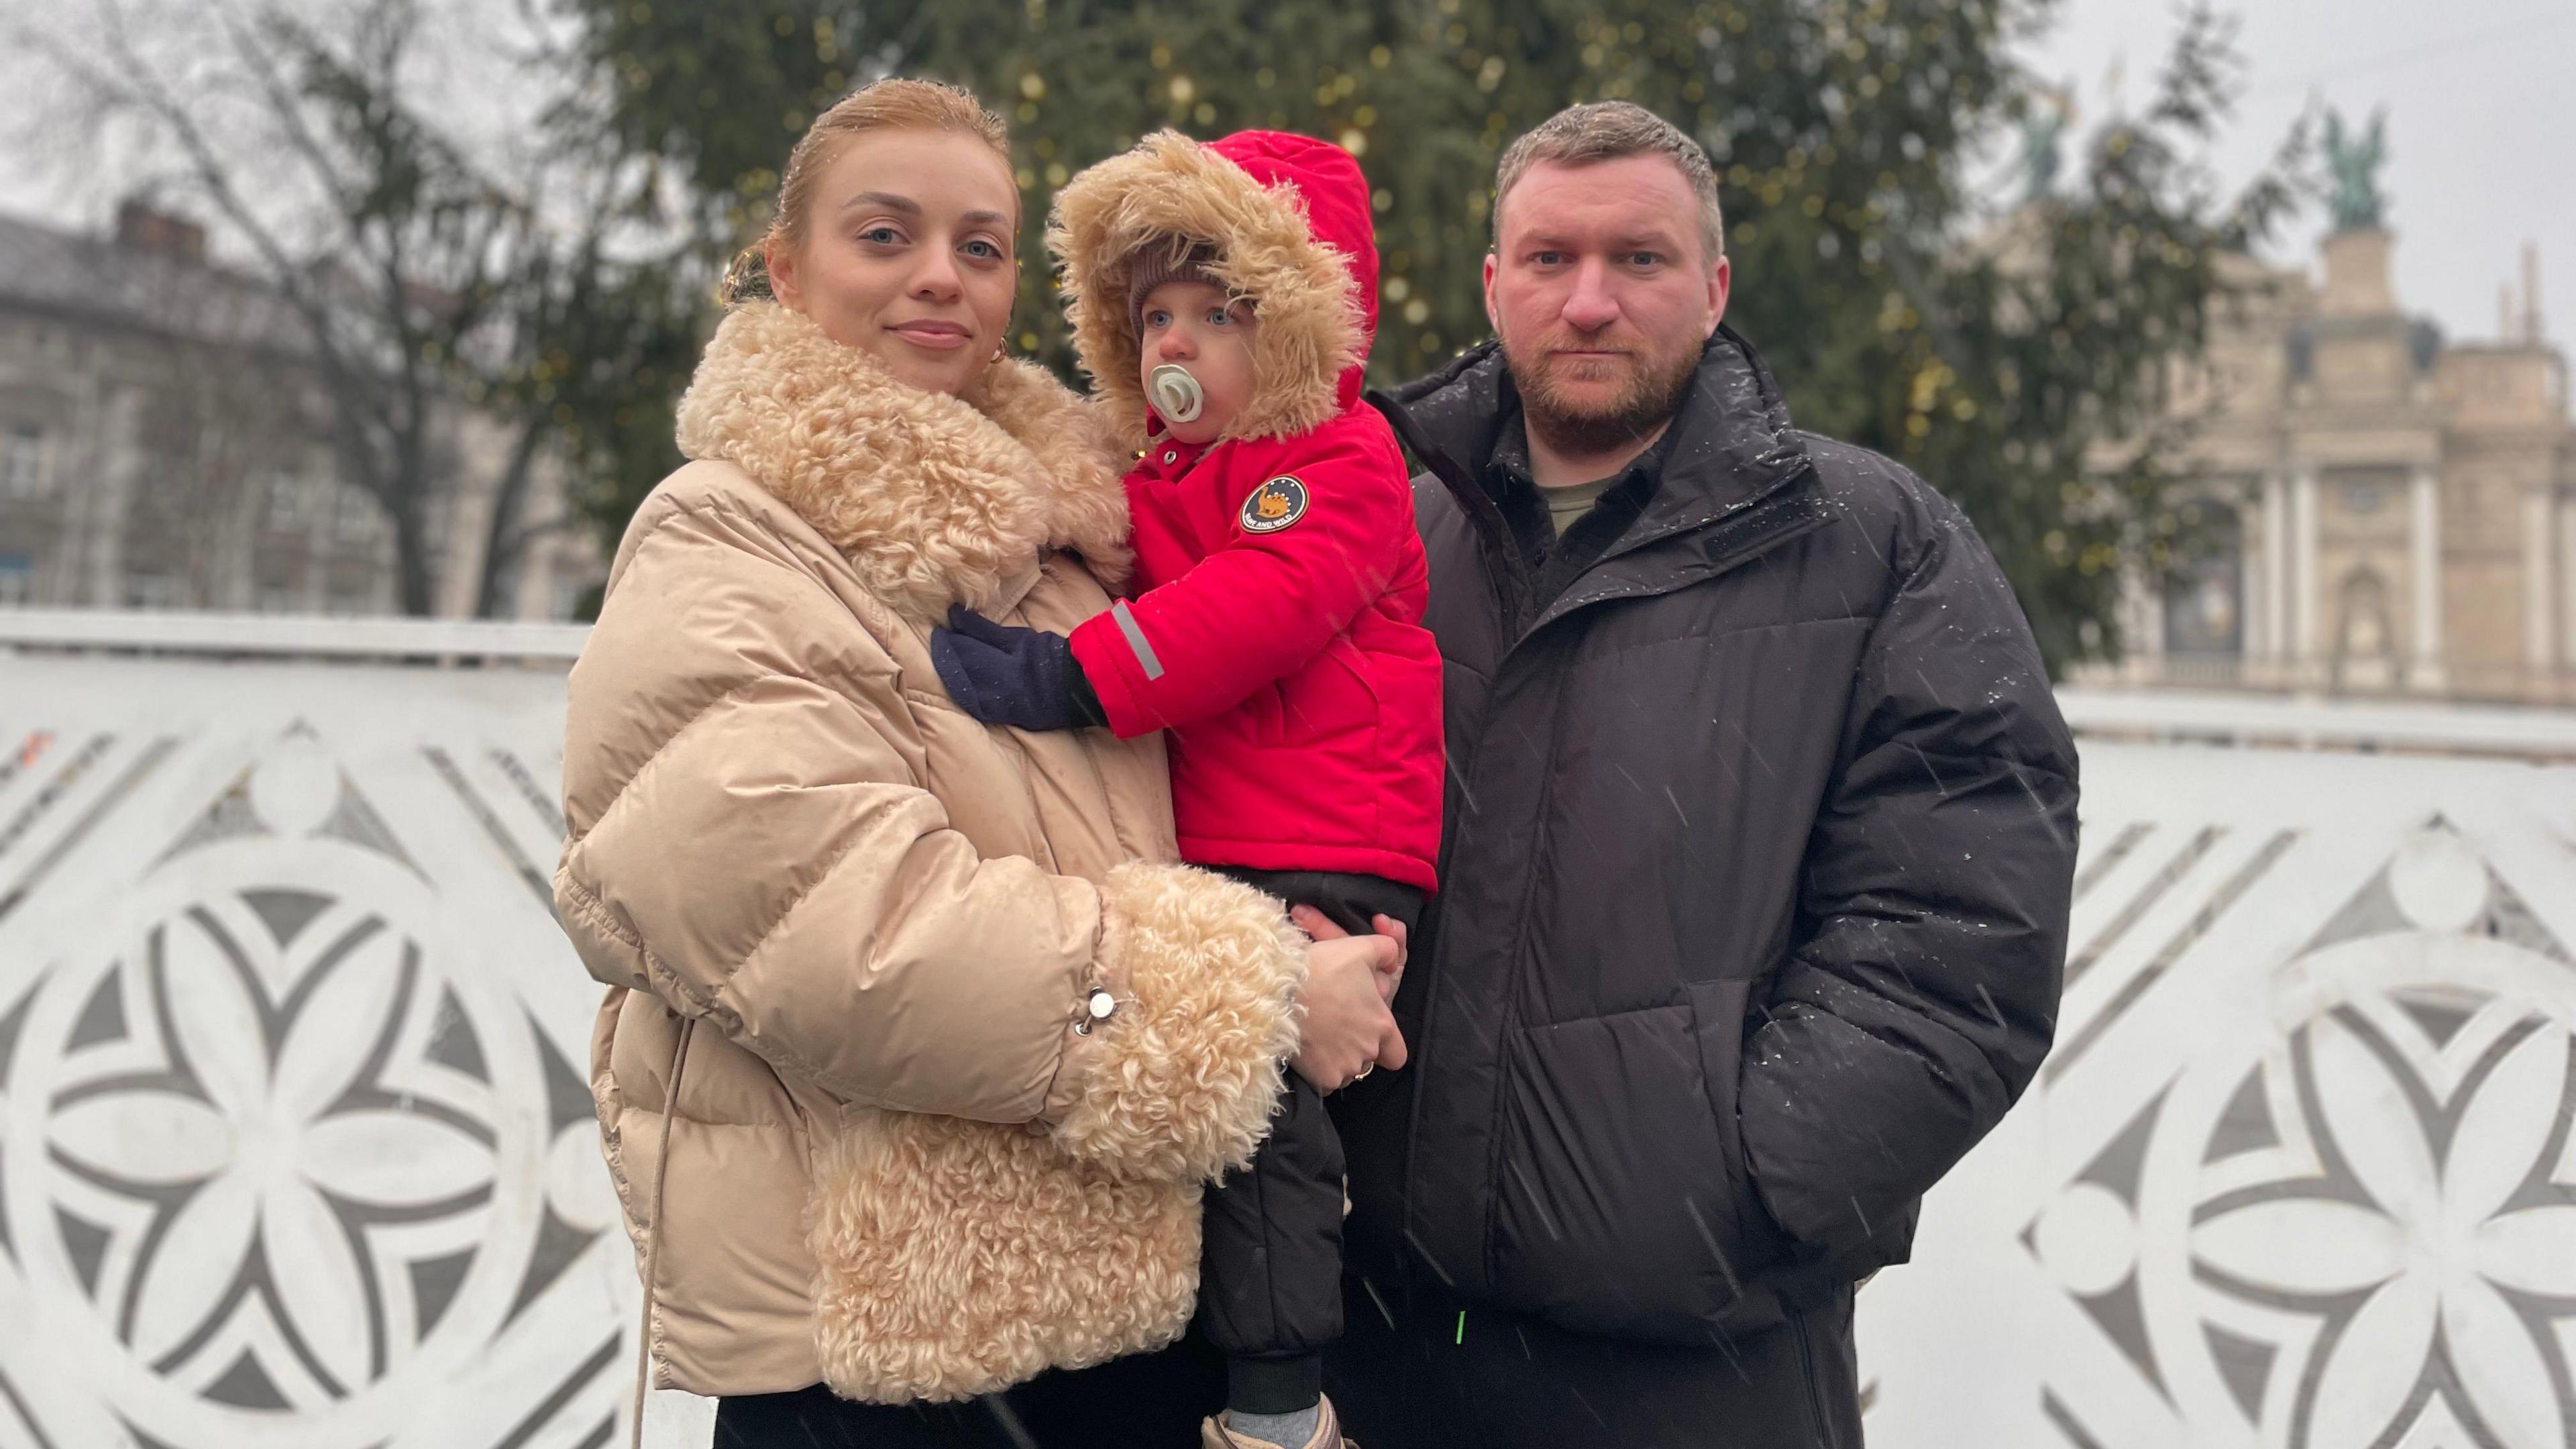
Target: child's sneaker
{"type": "Point", "coordinates": [1213, 1434]}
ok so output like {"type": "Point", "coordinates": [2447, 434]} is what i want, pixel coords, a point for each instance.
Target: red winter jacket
{"type": "Point", "coordinates": [1279, 585]}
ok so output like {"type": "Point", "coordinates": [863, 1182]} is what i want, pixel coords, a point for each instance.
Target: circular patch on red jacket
{"type": "Point", "coordinates": [1274, 505]}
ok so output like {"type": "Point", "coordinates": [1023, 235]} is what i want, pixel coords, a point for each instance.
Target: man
{"type": "Point", "coordinates": [1761, 826]}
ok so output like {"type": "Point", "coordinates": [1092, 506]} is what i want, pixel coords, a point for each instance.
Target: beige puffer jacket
{"type": "Point", "coordinates": [862, 930]}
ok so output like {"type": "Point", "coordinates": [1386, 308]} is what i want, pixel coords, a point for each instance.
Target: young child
{"type": "Point", "coordinates": [1223, 297]}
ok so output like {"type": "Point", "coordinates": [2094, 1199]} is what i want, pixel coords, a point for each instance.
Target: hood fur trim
{"type": "Point", "coordinates": [935, 500]}
{"type": "Point", "coordinates": [1170, 191]}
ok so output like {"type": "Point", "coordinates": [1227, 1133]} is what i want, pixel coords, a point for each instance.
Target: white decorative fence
{"type": "Point", "coordinates": [2299, 1171]}
{"type": "Point", "coordinates": [295, 1148]}
{"type": "Point", "coordinates": [298, 1149]}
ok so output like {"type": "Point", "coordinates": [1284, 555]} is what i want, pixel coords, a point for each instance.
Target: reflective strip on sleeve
{"type": "Point", "coordinates": [1128, 626]}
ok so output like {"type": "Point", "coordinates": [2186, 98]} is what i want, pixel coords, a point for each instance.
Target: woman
{"type": "Point", "coordinates": [920, 1047]}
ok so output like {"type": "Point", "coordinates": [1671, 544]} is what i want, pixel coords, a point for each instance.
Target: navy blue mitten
{"type": "Point", "coordinates": [1006, 675]}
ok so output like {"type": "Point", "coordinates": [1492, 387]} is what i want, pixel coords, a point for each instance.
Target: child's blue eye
{"type": "Point", "coordinates": [1220, 317]}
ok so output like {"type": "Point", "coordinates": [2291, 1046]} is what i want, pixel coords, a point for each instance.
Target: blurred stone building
{"type": "Point", "coordinates": [161, 448]}
{"type": "Point", "coordinates": [2395, 514]}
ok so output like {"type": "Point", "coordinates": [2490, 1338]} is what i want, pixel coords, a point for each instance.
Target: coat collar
{"type": "Point", "coordinates": [934, 500]}
{"type": "Point", "coordinates": [1166, 457]}
{"type": "Point", "coordinates": [1731, 443]}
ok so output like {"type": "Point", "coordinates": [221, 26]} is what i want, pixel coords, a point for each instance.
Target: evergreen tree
{"type": "Point", "coordinates": [2018, 361]}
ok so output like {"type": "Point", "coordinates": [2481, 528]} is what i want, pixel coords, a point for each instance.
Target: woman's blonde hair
{"type": "Point", "coordinates": [893, 104]}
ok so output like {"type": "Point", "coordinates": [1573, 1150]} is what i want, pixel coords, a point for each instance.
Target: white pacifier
{"type": "Point", "coordinates": [1176, 393]}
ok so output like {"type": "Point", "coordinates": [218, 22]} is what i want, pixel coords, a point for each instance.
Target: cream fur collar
{"type": "Point", "coordinates": [933, 499]}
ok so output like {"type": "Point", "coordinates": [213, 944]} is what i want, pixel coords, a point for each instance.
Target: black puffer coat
{"type": "Point", "coordinates": [1761, 831]}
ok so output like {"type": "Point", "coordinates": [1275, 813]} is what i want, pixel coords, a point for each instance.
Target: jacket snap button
{"type": "Point", "coordinates": [1101, 1005]}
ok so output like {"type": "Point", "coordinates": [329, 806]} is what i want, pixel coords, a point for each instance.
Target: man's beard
{"type": "Point", "coordinates": [1581, 428]}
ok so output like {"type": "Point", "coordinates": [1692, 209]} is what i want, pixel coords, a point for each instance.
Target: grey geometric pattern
{"type": "Point", "coordinates": [295, 1148]}
{"type": "Point", "coordinates": [2301, 1171]}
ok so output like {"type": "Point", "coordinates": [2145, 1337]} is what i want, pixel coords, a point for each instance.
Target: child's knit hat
{"type": "Point", "coordinates": [1166, 259]}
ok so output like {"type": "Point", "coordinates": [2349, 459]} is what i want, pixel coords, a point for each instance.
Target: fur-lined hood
{"type": "Point", "coordinates": [935, 500]}
{"type": "Point", "coordinates": [1289, 218]}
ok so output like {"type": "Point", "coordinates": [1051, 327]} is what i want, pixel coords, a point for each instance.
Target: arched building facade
{"type": "Point", "coordinates": [2397, 513]}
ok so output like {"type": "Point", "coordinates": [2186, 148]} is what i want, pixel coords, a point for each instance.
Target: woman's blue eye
{"type": "Point", "coordinates": [881, 235]}
{"type": "Point", "coordinates": [989, 250]}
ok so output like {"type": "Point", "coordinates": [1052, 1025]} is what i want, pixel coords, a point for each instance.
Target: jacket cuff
{"type": "Point", "coordinates": [1185, 1073]}
{"type": "Point", "coordinates": [1098, 646]}
{"type": "Point", "coordinates": [957, 1258]}
{"type": "Point", "coordinates": [1081, 699]}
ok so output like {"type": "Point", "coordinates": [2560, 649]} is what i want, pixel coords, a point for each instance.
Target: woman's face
{"type": "Point", "coordinates": [907, 254]}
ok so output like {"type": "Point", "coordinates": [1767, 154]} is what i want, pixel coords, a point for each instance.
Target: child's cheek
{"type": "Point", "coordinates": [1233, 388]}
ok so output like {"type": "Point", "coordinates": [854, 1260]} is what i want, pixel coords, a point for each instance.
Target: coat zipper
{"type": "Point", "coordinates": [1485, 521]}
{"type": "Point", "coordinates": [1761, 524]}
{"type": "Point", "coordinates": [1807, 1372]}
{"type": "Point", "coordinates": [1431, 1007]}
{"type": "Point", "coordinates": [1519, 986]}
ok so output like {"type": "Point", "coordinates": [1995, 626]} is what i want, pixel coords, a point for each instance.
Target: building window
{"type": "Point", "coordinates": [2365, 647]}
{"type": "Point", "coordinates": [2363, 628]}
{"type": "Point", "coordinates": [353, 516]}
{"type": "Point", "coordinates": [289, 505]}
{"type": "Point", "coordinates": [17, 579]}
{"type": "Point", "coordinates": [433, 526]}
{"type": "Point", "coordinates": [570, 595]}
{"type": "Point", "coordinates": [346, 596]}
{"type": "Point", "coordinates": [23, 462]}
{"type": "Point", "coordinates": [151, 591]}
{"type": "Point", "coordinates": [2204, 610]}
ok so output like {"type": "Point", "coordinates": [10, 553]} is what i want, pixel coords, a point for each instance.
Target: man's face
{"type": "Point", "coordinates": [1602, 293]}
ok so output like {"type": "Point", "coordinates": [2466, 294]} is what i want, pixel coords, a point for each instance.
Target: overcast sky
{"type": "Point", "coordinates": [2481, 97]}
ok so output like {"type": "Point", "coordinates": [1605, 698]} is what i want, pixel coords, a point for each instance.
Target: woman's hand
{"type": "Point", "coordinates": [1320, 927]}
{"type": "Point", "coordinates": [1348, 1031]}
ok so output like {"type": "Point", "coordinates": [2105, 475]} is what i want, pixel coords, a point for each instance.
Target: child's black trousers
{"type": "Point", "coordinates": [1270, 1266]}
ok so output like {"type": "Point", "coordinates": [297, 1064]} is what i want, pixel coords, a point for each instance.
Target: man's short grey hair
{"type": "Point", "coordinates": [1606, 131]}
